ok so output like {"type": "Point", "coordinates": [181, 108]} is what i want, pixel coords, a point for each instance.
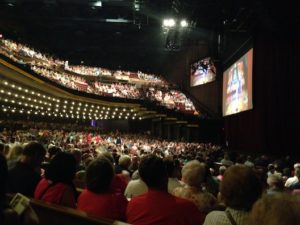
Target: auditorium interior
{"type": "Point", "coordinates": [119, 75]}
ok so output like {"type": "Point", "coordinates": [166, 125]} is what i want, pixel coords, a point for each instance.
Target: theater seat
{"type": "Point", "coordinates": [51, 214]}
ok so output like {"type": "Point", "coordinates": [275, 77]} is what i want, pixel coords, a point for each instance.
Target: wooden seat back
{"type": "Point", "coordinates": [51, 214]}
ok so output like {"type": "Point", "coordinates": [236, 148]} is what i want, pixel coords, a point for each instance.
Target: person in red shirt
{"type": "Point", "coordinates": [99, 199]}
{"type": "Point", "coordinates": [157, 206]}
{"type": "Point", "coordinates": [57, 187]}
{"type": "Point", "coordinates": [119, 181]}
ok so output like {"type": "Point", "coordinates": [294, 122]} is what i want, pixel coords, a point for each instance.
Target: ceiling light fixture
{"type": "Point", "coordinates": [98, 4]}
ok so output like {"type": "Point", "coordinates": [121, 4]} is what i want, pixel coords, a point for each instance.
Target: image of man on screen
{"type": "Point", "coordinates": [237, 99]}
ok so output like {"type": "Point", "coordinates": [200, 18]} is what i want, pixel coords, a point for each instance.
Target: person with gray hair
{"type": "Point", "coordinates": [123, 164]}
{"type": "Point", "coordinates": [276, 210]}
{"type": "Point", "coordinates": [193, 174]}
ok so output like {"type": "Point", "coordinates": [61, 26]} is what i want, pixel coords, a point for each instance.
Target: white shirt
{"type": "Point", "coordinates": [135, 188]}
{"type": "Point", "coordinates": [290, 181]}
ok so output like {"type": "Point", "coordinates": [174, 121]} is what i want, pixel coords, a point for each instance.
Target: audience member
{"type": "Point", "coordinates": [292, 180]}
{"type": "Point", "coordinates": [279, 209]}
{"type": "Point", "coordinates": [275, 184]}
{"type": "Point", "coordinates": [173, 181]}
{"type": "Point", "coordinates": [222, 170]}
{"type": "Point", "coordinates": [193, 176]}
{"type": "Point", "coordinates": [240, 189]}
{"type": "Point", "coordinates": [25, 175]}
{"type": "Point", "coordinates": [99, 199]}
{"type": "Point", "coordinates": [211, 183]}
{"type": "Point", "coordinates": [7, 215]}
{"type": "Point", "coordinates": [119, 181]}
{"type": "Point", "coordinates": [249, 162]}
{"type": "Point", "coordinates": [52, 151]}
{"type": "Point", "coordinates": [134, 164]}
{"type": "Point", "coordinates": [226, 160]}
{"type": "Point", "coordinates": [296, 185]}
{"type": "Point", "coordinates": [123, 166]}
{"type": "Point", "coordinates": [286, 173]}
{"type": "Point", "coordinates": [14, 155]}
{"type": "Point", "coordinates": [157, 206]}
{"type": "Point", "coordinates": [57, 187]}
{"type": "Point", "coordinates": [77, 153]}
{"type": "Point", "coordinates": [135, 187]}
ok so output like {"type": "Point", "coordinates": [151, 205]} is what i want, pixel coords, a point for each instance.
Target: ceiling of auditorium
{"type": "Point", "coordinates": [127, 34]}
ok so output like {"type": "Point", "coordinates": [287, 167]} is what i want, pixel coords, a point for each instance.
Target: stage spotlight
{"type": "Point", "coordinates": [98, 4]}
{"type": "Point", "coordinates": [169, 23]}
{"type": "Point", "coordinates": [184, 23]}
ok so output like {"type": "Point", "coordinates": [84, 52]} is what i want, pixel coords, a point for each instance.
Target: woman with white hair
{"type": "Point", "coordinates": [193, 174]}
{"type": "Point", "coordinates": [281, 209]}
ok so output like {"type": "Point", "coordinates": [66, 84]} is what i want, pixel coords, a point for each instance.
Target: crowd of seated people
{"type": "Point", "coordinates": [117, 90]}
{"type": "Point", "coordinates": [85, 70]}
{"type": "Point", "coordinates": [150, 77]}
{"type": "Point", "coordinates": [139, 86]}
{"type": "Point", "coordinates": [70, 81]}
{"type": "Point", "coordinates": [16, 51]}
{"type": "Point", "coordinates": [172, 99]}
{"type": "Point", "coordinates": [11, 48]}
{"type": "Point", "coordinates": [143, 180]}
{"type": "Point", "coordinates": [118, 74]}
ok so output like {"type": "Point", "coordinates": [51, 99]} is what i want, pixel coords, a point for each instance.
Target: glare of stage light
{"type": "Point", "coordinates": [183, 23]}
{"type": "Point", "coordinates": [98, 4]}
{"type": "Point", "coordinates": [169, 23]}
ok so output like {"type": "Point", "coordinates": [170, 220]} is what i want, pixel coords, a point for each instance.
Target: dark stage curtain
{"type": "Point", "coordinates": [273, 124]}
